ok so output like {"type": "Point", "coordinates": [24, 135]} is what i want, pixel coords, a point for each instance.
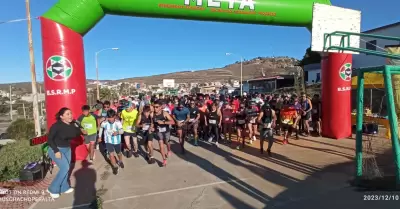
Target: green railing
{"type": "Point", "coordinates": [387, 71]}
{"type": "Point", "coordinates": [345, 43]}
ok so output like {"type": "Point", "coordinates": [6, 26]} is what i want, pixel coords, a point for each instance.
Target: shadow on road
{"type": "Point", "coordinates": [85, 189]}
{"type": "Point", "coordinates": [322, 184]}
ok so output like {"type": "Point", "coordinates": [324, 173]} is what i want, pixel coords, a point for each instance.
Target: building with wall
{"type": "Point", "coordinates": [312, 73]}
{"type": "Point", "coordinates": [270, 84]}
{"type": "Point", "coordinates": [363, 60]}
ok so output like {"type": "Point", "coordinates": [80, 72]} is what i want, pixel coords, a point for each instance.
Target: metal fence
{"type": "Point", "coordinates": [20, 110]}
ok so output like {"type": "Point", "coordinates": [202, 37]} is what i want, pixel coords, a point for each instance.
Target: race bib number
{"type": "Point", "coordinates": [110, 132]}
{"type": "Point", "coordinates": [87, 126]}
{"type": "Point", "coordinates": [253, 121]}
{"type": "Point", "coordinates": [212, 121]}
{"type": "Point", "coordinates": [241, 122]}
{"type": "Point", "coordinates": [162, 129]}
{"type": "Point", "coordinates": [191, 120]}
{"type": "Point", "coordinates": [286, 121]}
{"type": "Point", "coordinates": [146, 127]}
{"type": "Point", "coordinates": [227, 119]}
{"type": "Point", "coordinates": [267, 125]}
{"type": "Point", "coordinates": [129, 128]}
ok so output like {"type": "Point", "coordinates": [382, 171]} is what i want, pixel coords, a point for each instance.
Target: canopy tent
{"type": "Point", "coordinates": [371, 80]}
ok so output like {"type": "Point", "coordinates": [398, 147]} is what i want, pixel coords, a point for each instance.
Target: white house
{"type": "Point", "coordinates": [312, 73]}
{"type": "Point", "coordinates": [363, 60]}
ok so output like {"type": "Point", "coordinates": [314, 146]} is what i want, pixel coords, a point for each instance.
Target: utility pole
{"type": "Point", "coordinates": [40, 102]}
{"type": "Point", "coordinates": [23, 107]}
{"type": "Point", "coordinates": [241, 76]}
{"type": "Point", "coordinates": [11, 110]}
{"type": "Point", "coordinates": [33, 71]}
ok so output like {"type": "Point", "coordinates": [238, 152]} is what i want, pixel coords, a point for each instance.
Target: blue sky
{"type": "Point", "coordinates": [155, 46]}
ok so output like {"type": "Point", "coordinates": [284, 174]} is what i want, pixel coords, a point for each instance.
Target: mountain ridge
{"type": "Point", "coordinates": [256, 67]}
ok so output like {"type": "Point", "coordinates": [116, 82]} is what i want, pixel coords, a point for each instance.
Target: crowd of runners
{"type": "Point", "coordinates": [114, 126]}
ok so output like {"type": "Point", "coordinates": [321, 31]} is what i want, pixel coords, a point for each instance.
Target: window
{"type": "Point", "coordinates": [371, 45]}
{"type": "Point", "coordinates": [305, 75]}
{"type": "Point", "coordinates": [318, 78]}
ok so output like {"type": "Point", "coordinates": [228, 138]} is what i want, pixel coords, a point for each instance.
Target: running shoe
{"type": "Point", "coordinates": [210, 139]}
{"type": "Point", "coordinates": [121, 164]}
{"type": "Point", "coordinates": [164, 163]}
{"type": "Point", "coordinates": [169, 153]}
{"type": "Point", "coordinates": [152, 160]}
{"type": "Point", "coordinates": [70, 190]}
{"type": "Point", "coordinates": [217, 144]}
{"type": "Point", "coordinates": [52, 195]}
{"type": "Point", "coordinates": [285, 141]}
{"type": "Point", "coordinates": [269, 152]}
{"type": "Point", "coordinates": [136, 154]}
{"type": "Point", "coordinates": [115, 170]}
{"type": "Point", "coordinates": [195, 143]}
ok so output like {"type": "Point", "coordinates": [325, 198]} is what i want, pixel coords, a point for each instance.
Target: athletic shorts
{"type": "Point", "coordinates": [130, 134]}
{"type": "Point", "coordinates": [111, 148]}
{"type": "Point", "coordinates": [287, 127]}
{"type": "Point", "coordinates": [146, 136]}
{"type": "Point", "coordinates": [193, 125]}
{"type": "Point", "coordinates": [183, 127]}
{"type": "Point", "coordinates": [162, 136]}
{"type": "Point", "coordinates": [307, 116]}
{"type": "Point", "coordinates": [240, 126]}
{"type": "Point", "coordinates": [90, 139]}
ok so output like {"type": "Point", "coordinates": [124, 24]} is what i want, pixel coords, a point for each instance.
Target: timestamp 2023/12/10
{"type": "Point", "coordinates": [381, 197]}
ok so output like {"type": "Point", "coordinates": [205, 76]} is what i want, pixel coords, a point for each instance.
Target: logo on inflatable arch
{"type": "Point", "coordinates": [345, 72]}
{"type": "Point", "coordinates": [58, 68]}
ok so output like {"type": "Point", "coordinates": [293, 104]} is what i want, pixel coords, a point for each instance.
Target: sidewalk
{"type": "Point", "coordinates": [309, 173]}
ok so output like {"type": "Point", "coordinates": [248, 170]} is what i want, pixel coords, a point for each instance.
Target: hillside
{"type": "Point", "coordinates": [251, 69]}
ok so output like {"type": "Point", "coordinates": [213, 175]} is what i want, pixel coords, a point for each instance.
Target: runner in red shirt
{"type": "Point", "coordinates": [227, 120]}
{"type": "Point", "coordinates": [236, 104]}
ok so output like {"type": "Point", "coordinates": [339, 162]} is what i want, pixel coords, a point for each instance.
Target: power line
{"type": "Point", "coordinates": [16, 20]}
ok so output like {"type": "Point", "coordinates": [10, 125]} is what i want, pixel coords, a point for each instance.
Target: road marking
{"type": "Point", "coordinates": [161, 192]}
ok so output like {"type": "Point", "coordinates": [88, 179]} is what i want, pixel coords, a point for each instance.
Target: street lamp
{"type": "Point", "coordinates": [241, 72]}
{"type": "Point", "coordinates": [97, 69]}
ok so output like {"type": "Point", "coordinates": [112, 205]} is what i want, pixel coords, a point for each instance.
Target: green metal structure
{"type": "Point", "coordinates": [388, 71]}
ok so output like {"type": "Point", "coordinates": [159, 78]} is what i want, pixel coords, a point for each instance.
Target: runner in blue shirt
{"type": "Point", "coordinates": [181, 115]}
{"type": "Point", "coordinates": [112, 137]}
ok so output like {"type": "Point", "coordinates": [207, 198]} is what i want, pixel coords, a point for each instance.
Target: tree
{"type": "Point", "coordinates": [21, 129]}
{"type": "Point", "coordinates": [195, 90]}
{"type": "Point", "coordinates": [105, 93]}
{"type": "Point", "coordinates": [4, 106]}
{"type": "Point", "coordinates": [310, 57]}
{"type": "Point", "coordinates": [21, 105]}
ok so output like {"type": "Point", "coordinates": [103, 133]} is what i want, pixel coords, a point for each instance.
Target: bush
{"type": "Point", "coordinates": [21, 129]}
{"type": "Point", "coordinates": [14, 156]}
